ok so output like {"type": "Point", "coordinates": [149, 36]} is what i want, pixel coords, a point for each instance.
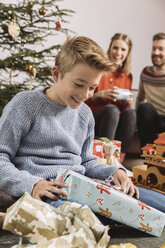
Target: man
{"type": "Point", "coordinates": [150, 103]}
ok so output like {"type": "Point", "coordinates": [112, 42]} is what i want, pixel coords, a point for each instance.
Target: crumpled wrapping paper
{"type": "Point", "coordinates": [44, 226]}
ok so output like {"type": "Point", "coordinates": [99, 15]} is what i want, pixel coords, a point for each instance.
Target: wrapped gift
{"type": "Point", "coordinates": [106, 149]}
{"type": "Point", "coordinates": [113, 148]}
{"type": "Point", "coordinates": [98, 148]}
{"type": "Point", "coordinates": [69, 225]}
{"type": "Point", "coordinates": [108, 152]}
{"type": "Point", "coordinates": [114, 204]}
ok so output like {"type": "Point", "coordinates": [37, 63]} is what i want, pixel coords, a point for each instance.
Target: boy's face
{"type": "Point", "coordinates": [76, 86]}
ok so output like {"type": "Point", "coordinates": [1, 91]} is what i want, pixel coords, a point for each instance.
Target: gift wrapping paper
{"type": "Point", "coordinates": [43, 225]}
{"type": "Point", "coordinates": [113, 204]}
{"type": "Point", "coordinates": [103, 150]}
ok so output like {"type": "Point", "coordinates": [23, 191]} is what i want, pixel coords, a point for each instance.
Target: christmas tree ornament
{"type": "Point", "coordinates": [30, 4]}
{"type": "Point", "coordinates": [58, 24]}
{"type": "Point", "coordinates": [25, 21]}
{"type": "Point", "coordinates": [10, 15]}
{"type": "Point", "coordinates": [42, 11]}
{"type": "Point", "coordinates": [28, 68]}
{"type": "Point", "coordinates": [14, 29]}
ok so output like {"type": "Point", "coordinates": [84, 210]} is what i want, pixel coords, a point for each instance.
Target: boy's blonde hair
{"type": "Point", "coordinates": [81, 49]}
{"type": "Point", "coordinates": [126, 66]}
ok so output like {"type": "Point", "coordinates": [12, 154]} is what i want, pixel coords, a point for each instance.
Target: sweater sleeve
{"type": "Point", "coordinates": [14, 124]}
{"type": "Point", "coordinates": [141, 95]}
{"type": "Point", "coordinates": [92, 167]}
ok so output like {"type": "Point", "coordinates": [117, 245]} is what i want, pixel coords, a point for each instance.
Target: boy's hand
{"type": "Point", "coordinates": [121, 179]}
{"type": "Point", "coordinates": [49, 189]}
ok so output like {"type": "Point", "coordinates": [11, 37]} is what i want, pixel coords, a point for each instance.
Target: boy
{"type": "Point", "coordinates": [44, 131]}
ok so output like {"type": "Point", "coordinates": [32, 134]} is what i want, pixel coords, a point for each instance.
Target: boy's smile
{"type": "Point", "coordinates": [75, 87]}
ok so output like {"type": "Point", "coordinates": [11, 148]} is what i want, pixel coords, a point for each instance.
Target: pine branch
{"type": "Point", "coordinates": [35, 30]}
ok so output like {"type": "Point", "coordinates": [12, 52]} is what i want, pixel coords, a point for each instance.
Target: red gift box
{"type": "Point", "coordinates": [98, 148]}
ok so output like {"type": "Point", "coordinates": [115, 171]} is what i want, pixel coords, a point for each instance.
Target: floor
{"type": "Point", "coordinates": [118, 235]}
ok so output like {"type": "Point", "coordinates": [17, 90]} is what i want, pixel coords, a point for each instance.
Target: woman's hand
{"type": "Point", "coordinates": [130, 99]}
{"type": "Point", "coordinates": [49, 189]}
{"type": "Point", "coordinates": [121, 179]}
{"type": "Point", "coordinates": [110, 94]}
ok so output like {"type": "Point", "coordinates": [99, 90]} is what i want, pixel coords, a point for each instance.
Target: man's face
{"type": "Point", "coordinates": [158, 54]}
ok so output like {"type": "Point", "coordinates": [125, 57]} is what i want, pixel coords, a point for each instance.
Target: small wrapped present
{"type": "Point", "coordinates": [112, 151]}
{"type": "Point", "coordinates": [69, 225]}
{"type": "Point", "coordinates": [106, 149]}
{"type": "Point", "coordinates": [98, 148]}
{"type": "Point", "coordinates": [108, 152]}
{"type": "Point", "coordinates": [114, 204]}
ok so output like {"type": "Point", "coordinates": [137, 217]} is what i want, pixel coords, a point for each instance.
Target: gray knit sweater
{"type": "Point", "coordinates": [152, 89]}
{"type": "Point", "coordinates": [39, 136]}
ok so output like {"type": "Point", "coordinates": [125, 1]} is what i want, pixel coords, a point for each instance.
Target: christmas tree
{"type": "Point", "coordinates": [26, 29]}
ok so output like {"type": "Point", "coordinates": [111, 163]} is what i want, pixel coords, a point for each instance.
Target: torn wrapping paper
{"type": "Point", "coordinates": [114, 204]}
{"type": "Point", "coordinates": [70, 225]}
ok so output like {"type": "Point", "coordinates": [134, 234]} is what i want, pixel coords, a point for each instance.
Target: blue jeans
{"type": "Point", "coordinates": [150, 197]}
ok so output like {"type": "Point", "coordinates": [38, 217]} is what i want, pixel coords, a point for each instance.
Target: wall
{"type": "Point", "coordinates": [140, 19]}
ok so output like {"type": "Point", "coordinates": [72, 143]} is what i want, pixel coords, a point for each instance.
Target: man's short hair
{"type": "Point", "coordinates": [159, 36]}
{"type": "Point", "coordinates": [81, 49]}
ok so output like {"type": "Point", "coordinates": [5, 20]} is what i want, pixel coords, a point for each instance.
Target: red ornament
{"type": "Point", "coordinates": [58, 25]}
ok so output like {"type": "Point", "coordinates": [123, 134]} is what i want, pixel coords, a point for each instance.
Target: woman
{"type": "Point", "coordinates": [113, 117]}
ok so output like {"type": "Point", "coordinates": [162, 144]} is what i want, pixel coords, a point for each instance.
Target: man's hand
{"type": "Point", "coordinates": [49, 189]}
{"type": "Point", "coordinates": [121, 179]}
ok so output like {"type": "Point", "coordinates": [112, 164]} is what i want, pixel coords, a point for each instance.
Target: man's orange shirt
{"type": "Point", "coordinates": [108, 81]}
